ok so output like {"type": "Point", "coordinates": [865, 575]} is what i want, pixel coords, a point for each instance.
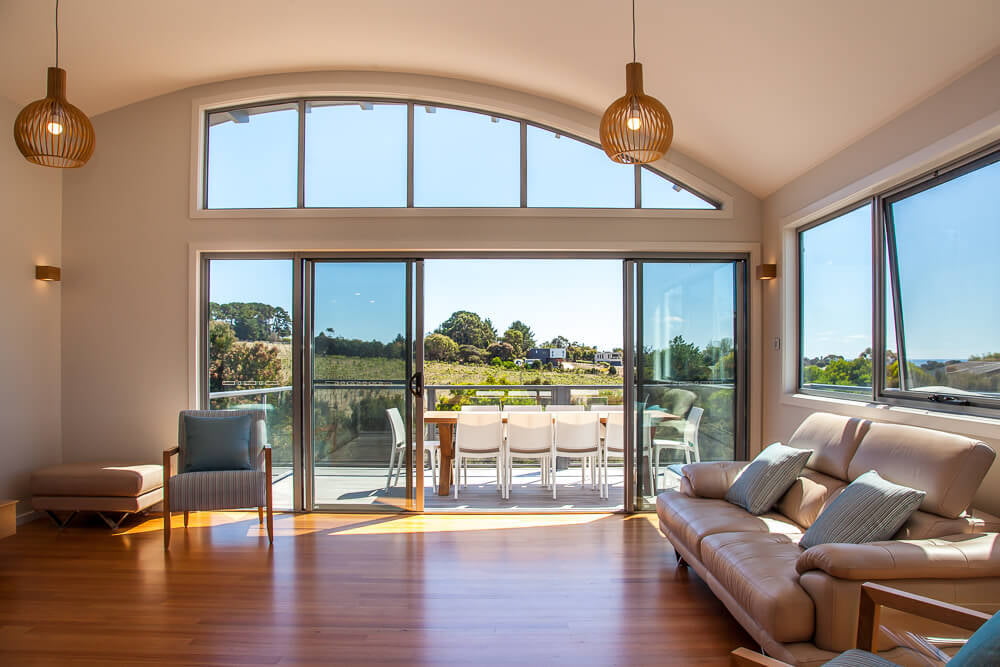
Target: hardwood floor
{"type": "Point", "coordinates": [579, 589]}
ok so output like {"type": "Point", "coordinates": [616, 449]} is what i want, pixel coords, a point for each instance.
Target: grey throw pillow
{"type": "Point", "coordinates": [765, 480]}
{"type": "Point", "coordinates": [217, 443]}
{"type": "Point", "coordinates": [869, 509]}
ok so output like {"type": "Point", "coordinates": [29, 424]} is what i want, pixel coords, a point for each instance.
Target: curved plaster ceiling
{"type": "Point", "coordinates": [760, 91]}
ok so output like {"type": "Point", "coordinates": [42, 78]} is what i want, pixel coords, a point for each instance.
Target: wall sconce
{"type": "Point", "coordinates": [767, 271]}
{"type": "Point", "coordinates": [48, 273]}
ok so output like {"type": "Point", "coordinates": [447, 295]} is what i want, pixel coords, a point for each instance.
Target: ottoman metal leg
{"type": "Point", "coordinates": [61, 523]}
{"type": "Point", "coordinates": [113, 525]}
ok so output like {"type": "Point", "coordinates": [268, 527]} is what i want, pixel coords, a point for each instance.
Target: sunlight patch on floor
{"type": "Point", "coordinates": [449, 523]}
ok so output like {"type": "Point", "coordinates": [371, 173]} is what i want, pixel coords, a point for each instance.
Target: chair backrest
{"type": "Point", "coordinates": [481, 408]}
{"type": "Point", "coordinates": [614, 436]}
{"type": "Point", "coordinates": [479, 431]}
{"type": "Point", "coordinates": [258, 430]}
{"type": "Point", "coordinates": [529, 432]}
{"type": "Point", "coordinates": [522, 408]}
{"type": "Point", "coordinates": [577, 431]}
{"type": "Point", "coordinates": [691, 428]}
{"type": "Point", "coordinates": [396, 426]}
{"type": "Point", "coordinates": [564, 408]}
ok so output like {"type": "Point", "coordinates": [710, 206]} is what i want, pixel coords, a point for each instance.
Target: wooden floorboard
{"type": "Point", "coordinates": [579, 589]}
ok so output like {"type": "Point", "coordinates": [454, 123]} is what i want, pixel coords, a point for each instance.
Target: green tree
{"type": "Point", "coordinates": [438, 347]}
{"type": "Point", "coordinates": [515, 338]}
{"type": "Point", "coordinates": [253, 321]}
{"type": "Point", "coordinates": [687, 362]}
{"type": "Point", "coordinates": [221, 338]}
{"type": "Point", "coordinates": [501, 351]}
{"type": "Point", "coordinates": [470, 354]}
{"type": "Point", "coordinates": [529, 335]}
{"type": "Point", "coordinates": [245, 365]}
{"type": "Point", "coordinates": [558, 341]}
{"type": "Point", "coordinates": [467, 328]}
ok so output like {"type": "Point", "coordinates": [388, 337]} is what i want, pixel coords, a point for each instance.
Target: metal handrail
{"type": "Point", "coordinates": [248, 392]}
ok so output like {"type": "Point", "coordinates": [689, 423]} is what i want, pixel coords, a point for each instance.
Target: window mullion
{"type": "Point", "coordinates": [301, 196]}
{"type": "Point", "coordinates": [878, 301]}
{"type": "Point", "coordinates": [897, 306]}
{"type": "Point", "coordinates": [409, 154]}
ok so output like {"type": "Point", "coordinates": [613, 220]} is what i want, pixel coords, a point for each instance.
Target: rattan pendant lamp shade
{"type": "Point", "coordinates": [51, 131]}
{"type": "Point", "coordinates": [636, 128]}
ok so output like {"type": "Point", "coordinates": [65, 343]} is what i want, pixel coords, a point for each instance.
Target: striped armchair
{"type": "Point", "coordinates": [218, 489]}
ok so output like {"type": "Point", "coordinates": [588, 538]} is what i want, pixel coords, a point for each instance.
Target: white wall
{"type": "Point", "coordinates": [30, 399]}
{"type": "Point", "coordinates": [959, 118]}
{"type": "Point", "coordinates": [129, 239]}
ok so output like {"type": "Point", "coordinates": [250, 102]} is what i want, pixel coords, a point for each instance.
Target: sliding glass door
{"type": "Point", "coordinates": [689, 355]}
{"type": "Point", "coordinates": [362, 403]}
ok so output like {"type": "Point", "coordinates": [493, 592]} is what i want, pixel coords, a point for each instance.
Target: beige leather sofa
{"type": "Point", "coordinates": [801, 606]}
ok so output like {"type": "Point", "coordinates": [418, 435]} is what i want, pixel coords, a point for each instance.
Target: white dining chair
{"type": "Point", "coordinates": [614, 444]}
{"type": "Point", "coordinates": [577, 435]}
{"type": "Point", "coordinates": [522, 408]}
{"type": "Point", "coordinates": [529, 436]}
{"type": "Point", "coordinates": [607, 408]}
{"type": "Point", "coordinates": [479, 435]}
{"type": "Point", "coordinates": [398, 455]}
{"type": "Point", "coordinates": [481, 408]}
{"type": "Point", "coordinates": [689, 445]}
{"type": "Point", "coordinates": [564, 408]}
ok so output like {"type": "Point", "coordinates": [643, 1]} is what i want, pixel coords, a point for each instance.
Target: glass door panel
{"type": "Point", "coordinates": [248, 326]}
{"type": "Point", "coordinates": [360, 363]}
{"type": "Point", "coordinates": [688, 367]}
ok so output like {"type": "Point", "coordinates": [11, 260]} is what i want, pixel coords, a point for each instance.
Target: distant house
{"type": "Point", "coordinates": [548, 355]}
{"type": "Point", "coordinates": [612, 358]}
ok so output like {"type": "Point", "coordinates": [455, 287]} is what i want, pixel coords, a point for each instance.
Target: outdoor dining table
{"type": "Point", "coordinates": [446, 420]}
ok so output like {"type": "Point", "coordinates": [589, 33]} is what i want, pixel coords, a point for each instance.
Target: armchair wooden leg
{"type": "Point", "coordinates": [166, 499]}
{"type": "Point", "coordinates": [186, 517]}
{"type": "Point", "coordinates": [270, 498]}
{"type": "Point", "coordinates": [260, 515]}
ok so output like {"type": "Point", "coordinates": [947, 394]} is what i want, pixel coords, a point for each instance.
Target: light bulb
{"type": "Point", "coordinates": [54, 127]}
{"type": "Point", "coordinates": [634, 123]}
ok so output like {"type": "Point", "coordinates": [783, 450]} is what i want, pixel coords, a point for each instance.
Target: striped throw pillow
{"type": "Point", "coordinates": [869, 509]}
{"type": "Point", "coordinates": [765, 480]}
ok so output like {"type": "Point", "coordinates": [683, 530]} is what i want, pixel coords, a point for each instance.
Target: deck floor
{"type": "Point", "coordinates": [346, 486]}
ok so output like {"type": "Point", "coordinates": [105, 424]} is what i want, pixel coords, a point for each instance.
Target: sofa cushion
{"type": "Point", "coordinates": [693, 519]}
{"type": "Point", "coordinates": [948, 467]}
{"type": "Point", "coordinates": [809, 495]}
{"type": "Point", "coordinates": [833, 440]}
{"type": "Point", "coordinates": [758, 570]}
{"type": "Point", "coordinates": [765, 480]}
{"type": "Point", "coordinates": [870, 509]}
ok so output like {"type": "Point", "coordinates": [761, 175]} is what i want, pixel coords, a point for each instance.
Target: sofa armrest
{"type": "Point", "coordinates": [954, 557]}
{"type": "Point", "coordinates": [711, 480]}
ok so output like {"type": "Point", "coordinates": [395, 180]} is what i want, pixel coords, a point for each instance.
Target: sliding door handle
{"type": "Point", "coordinates": [417, 385]}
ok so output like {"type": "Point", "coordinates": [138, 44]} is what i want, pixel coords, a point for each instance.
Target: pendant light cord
{"type": "Point", "coordinates": [633, 28]}
{"type": "Point", "coordinates": [57, 31]}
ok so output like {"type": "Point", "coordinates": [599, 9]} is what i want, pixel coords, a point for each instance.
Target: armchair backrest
{"type": "Point", "coordinates": [258, 430]}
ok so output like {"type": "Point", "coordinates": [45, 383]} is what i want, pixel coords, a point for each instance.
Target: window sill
{"type": "Point", "coordinates": [976, 426]}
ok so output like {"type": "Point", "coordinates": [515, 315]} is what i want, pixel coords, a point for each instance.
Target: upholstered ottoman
{"type": "Point", "coordinates": [96, 487]}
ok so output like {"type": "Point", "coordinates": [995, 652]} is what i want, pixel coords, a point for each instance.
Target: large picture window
{"type": "Point", "coordinates": [936, 323]}
{"type": "Point", "coordinates": [356, 153]}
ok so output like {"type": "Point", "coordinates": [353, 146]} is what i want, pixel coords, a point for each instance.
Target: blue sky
{"type": "Point", "coordinates": [357, 157]}
{"type": "Point", "coordinates": [947, 239]}
{"type": "Point", "coordinates": [948, 236]}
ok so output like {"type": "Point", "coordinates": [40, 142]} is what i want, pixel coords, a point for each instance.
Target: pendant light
{"type": "Point", "coordinates": [636, 128]}
{"type": "Point", "coordinates": [51, 131]}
